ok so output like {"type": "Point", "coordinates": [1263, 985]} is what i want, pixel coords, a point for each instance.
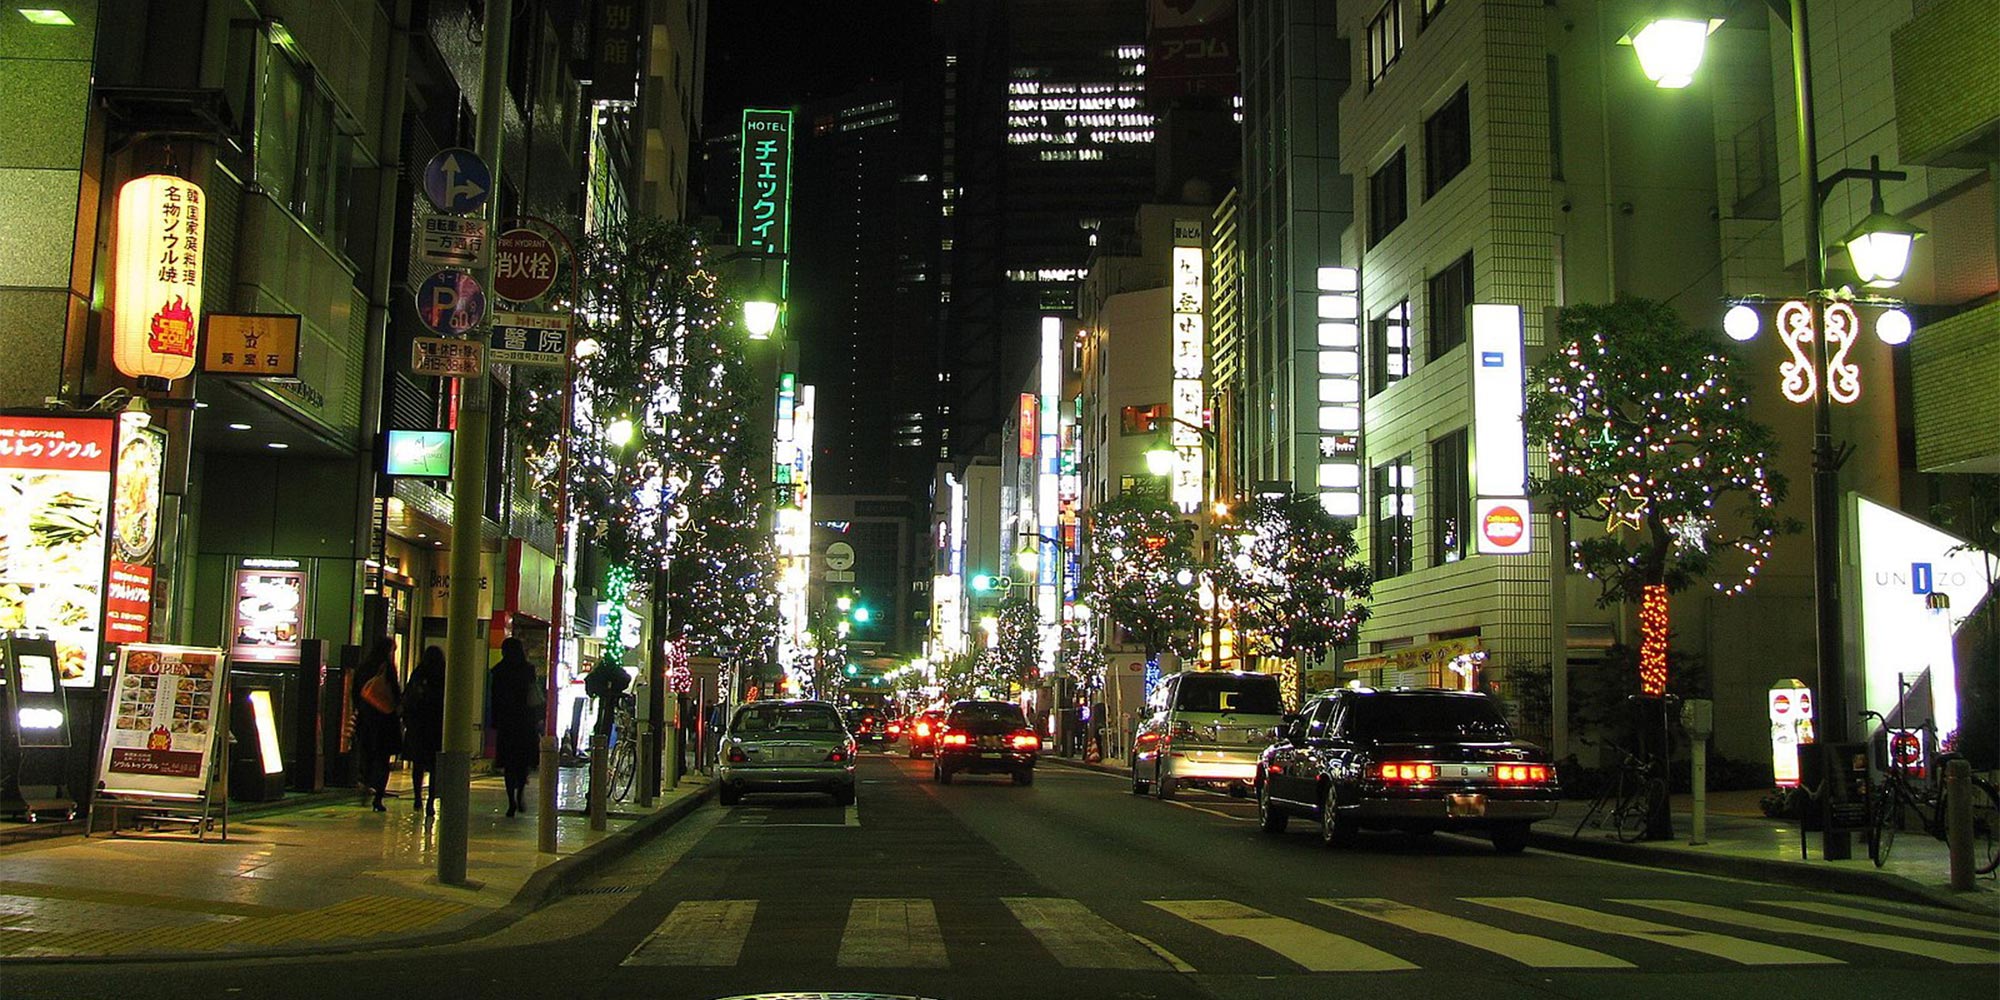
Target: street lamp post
{"type": "Point", "coordinates": [1880, 251]}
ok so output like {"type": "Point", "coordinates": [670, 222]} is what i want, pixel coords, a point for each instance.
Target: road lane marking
{"type": "Point", "coordinates": [1943, 951]}
{"type": "Point", "coordinates": [892, 934]}
{"type": "Point", "coordinates": [1165, 956]}
{"type": "Point", "coordinates": [1212, 812]}
{"type": "Point", "coordinates": [1078, 938]}
{"type": "Point", "coordinates": [1886, 919]}
{"type": "Point", "coordinates": [707, 932]}
{"type": "Point", "coordinates": [1527, 949]}
{"type": "Point", "coordinates": [1733, 949]}
{"type": "Point", "coordinates": [1314, 949]}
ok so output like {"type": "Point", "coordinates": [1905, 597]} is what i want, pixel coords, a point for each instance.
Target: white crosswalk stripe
{"type": "Point", "coordinates": [1527, 949]}
{"type": "Point", "coordinates": [1078, 938]}
{"type": "Point", "coordinates": [1943, 951]}
{"type": "Point", "coordinates": [1733, 949]}
{"type": "Point", "coordinates": [1885, 919]}
{"type": "Point", "coordinates": [892, 934]}
{"type": "Point", "coordinates": [698, 932]}
{"type": "Point", "coordinates": [1304, 944]}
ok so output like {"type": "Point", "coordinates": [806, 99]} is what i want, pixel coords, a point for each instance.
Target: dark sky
{"type": "Point", "coordinates": [781, 53]}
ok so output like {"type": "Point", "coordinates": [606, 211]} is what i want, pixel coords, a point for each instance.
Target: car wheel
{"type": "Point", "coordinates": [943, 775]}
{"type": "Point", "coordinates": [1510, 838]}
{"type": "Point", "coordinates": [1139, 785]}
{"type": "Point", "coordinates": [913, 753]}
{"type": "Point", "coordinates": [1269, 816]}
{"type": "Point", "coordinates": [728, 795]}
{"type": "Point", "coordinates": [843, 795]}
{"type": "Point", "coordinates": [1334, 831]}
{"type": "Point", "coordinates": [1025, 776]}
{"type": "Point", "coordinates": [1164, 785]}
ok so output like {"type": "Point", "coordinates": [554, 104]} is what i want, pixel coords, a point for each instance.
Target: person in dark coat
{"type": "Point", "coordinates": [517, 724]}
{"type": "Point", "coordinates": [423, 725]}
{"type": "Point", "coordinates": [605, 683]}
{"type": "Point", "coordinates": [378, 734]}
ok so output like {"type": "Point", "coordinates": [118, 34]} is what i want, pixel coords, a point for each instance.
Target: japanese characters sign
{"type": "Point", "coordinates": [526, 266]}
{"type": "Point", "coordinates": [446, 357]}
{"type": "Point", "coordinates": [55, 507]}
{"type": "Point", "coordinates": [156, 297]}
{"type": "Point", "coordinates": [1190, 285]}
{"type": "Point", "coordinates": [449, 241]}
{"type": "Point", "coordinates": [763, 221]}
{"type": "Point", "coordinates": [530, 339]}
{"type": "Point", "coordinates": [160, 739]}
{"type": "Point", "coordinates": [264, 345]}
{"type": "Point", "coordinates": [135, 532]}
{"type": "Point", "coordinates": [614, 50]}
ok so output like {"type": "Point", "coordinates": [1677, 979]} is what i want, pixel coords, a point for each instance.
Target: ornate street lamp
{"type": "Point", "coordinates": [1880, 245]}
{"type": "Point", "coordinates": [1160, 458]}
{"type": "Point", "coordinates": [1670, 46]}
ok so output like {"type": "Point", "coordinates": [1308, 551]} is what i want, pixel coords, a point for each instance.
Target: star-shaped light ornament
{"type": "Point", "coordinates": [1691, 533]}
{"type": "Point", "coordinates": [1624, 507]}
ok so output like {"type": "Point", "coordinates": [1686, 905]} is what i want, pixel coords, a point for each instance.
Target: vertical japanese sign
{"type": "Point", "coordinates": [156, 298]}
{"type": "Point", "coordinates": [135, 534]}
{"type": "Point", "coordinates": [1339, 310]}
{"type": "Point", "coordinates": [614, 50]}
{"type": "Point", "coordinates": [764, 197]}
{"type": "Point", "coordinates": [161, 736]}
{"type": "Point", "coordinates": [55, 509]}
{"type": "Point", "coordinates": [1189, 341]}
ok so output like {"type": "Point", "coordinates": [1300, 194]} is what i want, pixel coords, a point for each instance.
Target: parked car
{"type": "Point", "coordinates": [986, 737]}
{"type": "Point", "coordinates": [786, 746]}
{"type": "Point", "coordinates": [1205, 727]}
{"type": "Point", "coordinates": [921, 732]}
{"type": "Point", "coordinates": [1418, 760]}
{"type": "Point", "coordinates": [869, 725]}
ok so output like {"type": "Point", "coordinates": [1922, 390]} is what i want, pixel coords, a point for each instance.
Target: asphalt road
{"type": "Point", "coordinates": [1075, 888]}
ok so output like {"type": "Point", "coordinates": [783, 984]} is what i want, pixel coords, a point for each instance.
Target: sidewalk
{"type": "Point", "coordinates": [325, 875]}
{"type": "Point", "coordinates": [1743, 843]}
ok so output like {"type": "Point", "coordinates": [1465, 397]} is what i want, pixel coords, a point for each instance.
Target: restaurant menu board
{"type": "Point", "coordinates": [161, 733]}
{"type": "Point", "coordinates": [55, 506]}
{"type": "Point", "coordinates": [270, 611]}
{"type": "Point", "coordinates": [135, 534]}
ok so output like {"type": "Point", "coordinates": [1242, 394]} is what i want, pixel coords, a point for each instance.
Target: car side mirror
{"type": "Point", "coordinates": [1280, 733]}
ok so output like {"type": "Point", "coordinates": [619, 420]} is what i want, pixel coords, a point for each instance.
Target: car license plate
{"type": "Point", "coordinates": [992, 753]}
{"type": "Point", "coordinates": [1471, 805]}
{"type": "Point", "coordinates": [1466, 772]}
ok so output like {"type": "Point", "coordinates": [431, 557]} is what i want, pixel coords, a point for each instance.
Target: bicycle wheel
{"type": "Point", "coordinates": [1635, 811]}
{"type": "Point", "coordinates": [624, 765]}
{"type": "Point", "coordinates": [1888, 819]}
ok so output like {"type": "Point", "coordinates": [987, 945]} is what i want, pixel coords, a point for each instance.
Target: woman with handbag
{"type": "Point", "coordinates": [423, 725]}
{"type": "Point", "coordinates": [378, 732]}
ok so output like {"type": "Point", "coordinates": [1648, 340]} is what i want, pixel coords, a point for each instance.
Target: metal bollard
{"type": "Point", "coordinates": [600, 771]}
{"type": "Point", "coordinates": [545, 821]}
{"type": "Point", "coordinates": [643, 764]}
{"type": "Point", "coordinates": [1700, 784]}
{"type": "Point", "coordinates": [1958, 822]}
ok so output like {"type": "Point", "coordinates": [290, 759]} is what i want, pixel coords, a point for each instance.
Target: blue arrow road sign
{"type": "Point", "coordinates": [457, 181]}
{"type": "Point", "coordinates": [451, 302]}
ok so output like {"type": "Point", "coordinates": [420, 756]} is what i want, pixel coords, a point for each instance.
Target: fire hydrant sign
{"type": "Point", "coordinates": [538, 339]}
{"type": "Point", "coordinates": [446, 357]}
{"type": "Point", "coordinates": [525, 269]}
{"type": "Point", "coordinates": [160, 733]}
{"type": "Point", "coordinates": [450, 241]}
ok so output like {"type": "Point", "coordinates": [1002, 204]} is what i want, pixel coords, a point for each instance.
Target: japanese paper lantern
{"type": "Point", "coordinates": [156, 297]}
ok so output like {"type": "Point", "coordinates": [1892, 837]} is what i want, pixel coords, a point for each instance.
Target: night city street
{"type": "Point", "coordinates": [1075, 888]}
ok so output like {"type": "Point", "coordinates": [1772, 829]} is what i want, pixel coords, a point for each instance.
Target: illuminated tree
{"type": "Point", "coordinates": [1289, 570]}
{"type": "Point", "coordinates": [1654, 460]}
{"type": "Point", "coordinates": [1139, 572]}
{"type": "Point", "coordinates": [1020, 641]}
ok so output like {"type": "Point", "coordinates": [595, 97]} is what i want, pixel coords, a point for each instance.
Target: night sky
{"type": "Point", "coordinates": [780, 53]}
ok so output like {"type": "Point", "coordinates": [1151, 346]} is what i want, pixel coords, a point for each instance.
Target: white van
{"type": "Point", "coordinates": [1205, 726]}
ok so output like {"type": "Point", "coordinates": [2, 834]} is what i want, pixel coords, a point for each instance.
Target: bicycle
{"type": "Point", "coordinates": [624, 751]}
{"type": "Point", "coordinates": [1629, 801]}
{"type": "Point", "coordinates": [1929, 806]}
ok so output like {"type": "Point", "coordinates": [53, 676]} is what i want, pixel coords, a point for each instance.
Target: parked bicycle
{"type": "Point", "coordinates": [1903, 796]}
{"type": "Point", "coordinates": [1627, 803]}
{"type": "Point", "coordinates": [624, 765]}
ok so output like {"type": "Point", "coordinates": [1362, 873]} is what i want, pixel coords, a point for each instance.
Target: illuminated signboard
{"type": "Point", "coordinates": [55, 477]}
{"type": "Point", "coordinates": [1339, 312]}
{"type": "Point", "coordinates": [1909, 568]}
{"type": "Point", "coordinates": [1189, 290]}
{"type": "Point", "coordinates": [135, 533]}
{"type": "Point", "coordinates": [1503, 527]}
{"type": "Point", "coordinates": [270, 610]}
{"type": "Point", "coordinates": [763, 203]}
{"type": "Point", "coordinates": [156, 290]}
{"type": "Point", "coordinates": [161, 733]}
{"type": "Point", "coordinates": [423, 454]}
{"type": "Point", "coordinates": [1500, 445]}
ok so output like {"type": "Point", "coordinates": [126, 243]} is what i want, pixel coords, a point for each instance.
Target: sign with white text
{"type": "Point", "coordinates": [1503, 526]}
{"type": "Point", "coordinates": [160, 732]}
{"type": "Point", "coordinates": [536, 339]}
{"type": "Point", "coordinates": [450, 241]}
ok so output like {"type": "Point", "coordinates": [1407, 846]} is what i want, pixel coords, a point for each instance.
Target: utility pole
{"type": "Point", "coordinates": [464, 636]}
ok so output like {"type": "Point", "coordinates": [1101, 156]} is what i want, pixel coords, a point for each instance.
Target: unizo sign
{"type": "Point", "coordinates": [1907, 567]}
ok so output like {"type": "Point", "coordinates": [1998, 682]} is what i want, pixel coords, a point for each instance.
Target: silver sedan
{"type": "Point", "coordinates": [787, 746]}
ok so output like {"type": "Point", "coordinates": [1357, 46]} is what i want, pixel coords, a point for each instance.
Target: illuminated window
{"type": "Point", "coordinates": [1393, 541]}
{"type": "Point", "coordinates": [1431, 9]}
{"type": "Point", "coordinates": [1388, 199]}
{"type": "Point", "coordinates": [1451, 498]}
{"type": "Point", "coordinates": [1385, 40]}
{"type": "Point", "coordinates": [1450, 295]}
{"type": "Point", "coordinates": [1389, 353]}
{"type": "Point", "coordinates": [1142, 419]}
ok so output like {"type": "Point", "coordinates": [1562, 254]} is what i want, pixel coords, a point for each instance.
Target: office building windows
{"type": "Point", "coordinates": [1395, 517]}
{"type": "Point", "coordinates": [1385, 40]}
{"type": "Point", "coordinates": [1447, 143]}
{"type": "Point", "coordinates": [1388, 198]}
{"type": "Point", "coordinates": [1451, 499]}
{"type": "Point", "coordinates": [1450, 295]}
{"type": "Point", "coordinates": [1389, 347]}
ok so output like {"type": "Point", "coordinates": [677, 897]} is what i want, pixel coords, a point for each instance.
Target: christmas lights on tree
{"type": "Point", "coordinates": [1138, 550]}
{"type": "Point", "coordinates": [1290, 570]}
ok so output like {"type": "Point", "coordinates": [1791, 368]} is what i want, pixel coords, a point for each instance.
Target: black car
{"type": "Point", "coordinates": [869, 725]}
{"type": "Point", "coordinates": [986, 737]}
{"type": "Point", "coordinates": [1415, 760]}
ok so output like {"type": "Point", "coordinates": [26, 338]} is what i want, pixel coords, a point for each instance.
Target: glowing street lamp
{"type": "Point", "coordinates": [1880, 246]}
{"type": "Point", "coordinates": [1670, 47]}
{"type": "Point", "coordinates": [1160, 458]}
{"type": "Point", "coordinates": [760, 318]}
{"type": "Point", "coordinates": [620, 432]}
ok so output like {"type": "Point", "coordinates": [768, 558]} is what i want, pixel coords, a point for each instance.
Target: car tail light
{"type": "Point", "coordinates": [923, 729]}
{"type": "Point", "coordinates": [1517, 774]}
{"type": "Point", "coordinates": [1025, 740]}
{"type": "Point", "coordinates": [1407, 772]}
{"type": "Point", "coordinates": [737, 757]}
{"type": "Point", "coordinates": [1149, 737]}
{"type": "Point", "coordinates": [953, 739]}
{"type": "Point", "coordinates": [837, 756]}
{"type": "Point", "coordinates": [895, 727]}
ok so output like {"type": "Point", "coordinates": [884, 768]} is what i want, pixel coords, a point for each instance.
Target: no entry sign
{"type": "Point", "coordinates": [524, 265]}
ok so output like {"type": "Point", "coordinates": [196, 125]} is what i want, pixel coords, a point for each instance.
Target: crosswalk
{"type": "Point", "coordinates": [1343, 935]}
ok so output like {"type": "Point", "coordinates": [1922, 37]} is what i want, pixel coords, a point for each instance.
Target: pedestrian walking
{"type": "Point", "coordinates": [378, 733]}
{"type": "Point", "coordinates": [423, 726]}
{"type": "Point", "coordinates": [517, 723]}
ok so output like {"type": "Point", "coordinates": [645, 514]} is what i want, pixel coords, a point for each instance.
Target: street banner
{"type": "Point", "coordinates": [160, 733]}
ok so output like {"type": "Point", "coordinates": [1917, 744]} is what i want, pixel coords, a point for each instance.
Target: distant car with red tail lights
{"type": "Point", "coordinates": [986, 737]}
{"type": "Point", "coordinates": [1417, 760]}
{"type": "Point", "coordinates": [920, 732]}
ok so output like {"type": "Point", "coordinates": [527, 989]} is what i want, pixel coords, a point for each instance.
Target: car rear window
{"type": "Point", "coordinates": [786, 718]}
{"type": "Point", "coordinates": [1008, 714]}
{"type": "Point", "coordinates": [1427, 717]}
{"type": "Point", "coordinates": [1254, 695]}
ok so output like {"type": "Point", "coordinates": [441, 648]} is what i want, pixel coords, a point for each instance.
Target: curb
{"type": "Point", "coordinates": [1878, 885]}
{"type": "Point", "coordinates": [544, 885]}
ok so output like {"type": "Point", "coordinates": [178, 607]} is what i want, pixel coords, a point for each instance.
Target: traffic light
{"type": "Point", "coordinates": [862, 614]}
{"type": "Point", "coordinates": [853, 670]}
{"type": "Point", "coordinates": [982, 583]}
